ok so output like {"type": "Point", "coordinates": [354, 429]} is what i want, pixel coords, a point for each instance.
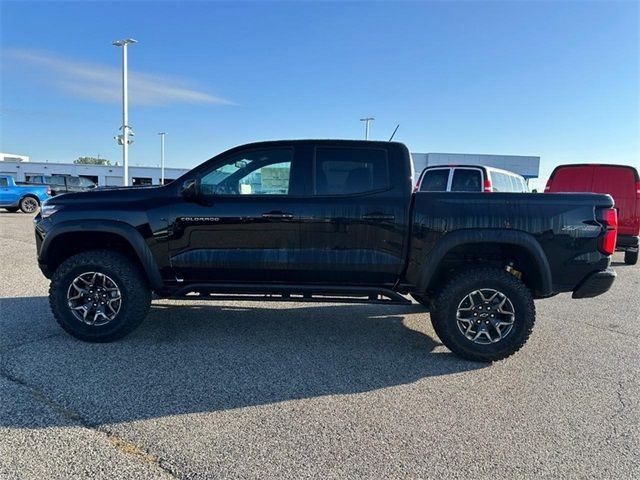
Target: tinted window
{"type": "Point", "coordinates": [466, 180]}
{"type": "Point", "coordinates": [435, 180]}
{"type": "Point", "coordinates": [260, 172]}
{"type": "Point", "coordinates": [4, 182]}
{"type": "Point", "coordinates": [56, 180]}
{"type": "Point", "coordinates": [344, 171]}
{"type": "Point", "coordinates": [73, 181]}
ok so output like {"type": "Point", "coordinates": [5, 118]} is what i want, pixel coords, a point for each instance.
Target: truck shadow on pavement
{"type": "Point", "coordinates": [204, 358]}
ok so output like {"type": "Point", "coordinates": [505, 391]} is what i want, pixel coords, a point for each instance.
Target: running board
{"type": "Point", "coordinates": [290, 293]}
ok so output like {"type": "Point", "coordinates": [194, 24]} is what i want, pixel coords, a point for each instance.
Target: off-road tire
{"type": "Point", "coordinates": [443, 315]}
{"type": "Point", "coordinates": [631, 257]}
{"type": "Point", "coordinates": [27, 204]}
{"type": "Point", "coordinates": [136, 294]}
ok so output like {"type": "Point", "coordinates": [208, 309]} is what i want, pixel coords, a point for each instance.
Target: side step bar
{"type": "Point", "coordinates": [292, 293]}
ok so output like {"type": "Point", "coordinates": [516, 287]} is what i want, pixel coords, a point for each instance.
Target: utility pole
{"type": "Point", "coordinates": [124, 138]}
{"type": "Point", "coordinates": [366, 121]}
{"type": "Point", "coordinates": [162, 134]}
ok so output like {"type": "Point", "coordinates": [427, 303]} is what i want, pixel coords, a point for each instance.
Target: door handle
{"type": "Point", "coordinates": [277, 216]}
{"type": "Point", "coordinates": [379, 217]}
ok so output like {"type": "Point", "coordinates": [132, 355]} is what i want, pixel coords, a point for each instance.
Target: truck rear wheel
{"type": "Point", "coordinates": [631, 257]}
{"type": "Point", "coordinates": [29, 204]}
{"type": "Point", "coordinates": [484, 314]}
{"type": "Point", "coordinates": [99, 296]}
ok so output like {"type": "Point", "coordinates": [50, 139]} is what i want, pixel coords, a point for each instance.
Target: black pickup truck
{"type": "Point", "coordinates": [324, 220]}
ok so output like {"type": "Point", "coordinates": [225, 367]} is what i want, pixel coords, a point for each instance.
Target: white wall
{"type": "Point", "coordinates": [107, 175]}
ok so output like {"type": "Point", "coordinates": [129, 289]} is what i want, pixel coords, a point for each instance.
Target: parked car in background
{"type": "Point", "coordinates": [63, 183]}
{"type": "Point", "coordinates": [469, 178]}
{"type": "Point", "coordinates": [622, 182]}
{"type": "Point", "coordinates": [21, 196]}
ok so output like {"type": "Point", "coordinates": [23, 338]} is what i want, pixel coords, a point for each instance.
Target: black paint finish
{"type": "Point", "coordinates": [386, 238]}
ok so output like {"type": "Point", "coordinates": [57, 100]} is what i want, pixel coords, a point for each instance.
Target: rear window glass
{"type": "Point", "coordinates": [466, 180]}
{"type": "Point", "coordinates": [4, 182]}
{"type": "Point", "coordinates": [344, 171]}
{"type": "Point", "coordinates": [435, 180]}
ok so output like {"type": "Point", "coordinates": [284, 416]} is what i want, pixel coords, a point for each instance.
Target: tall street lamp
{"type": "Point", "coordinates": [162, 134]}
{"type": "Point", "coordinates": [366, 121]}
{"type": "Point", "coordinates": [124, 138]}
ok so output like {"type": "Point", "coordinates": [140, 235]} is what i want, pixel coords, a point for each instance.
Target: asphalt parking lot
{"type": "Point", "coordinates": [250, 390]}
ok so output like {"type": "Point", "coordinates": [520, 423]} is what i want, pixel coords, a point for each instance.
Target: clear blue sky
{"type": "Point", "coordinates": [555, 79]}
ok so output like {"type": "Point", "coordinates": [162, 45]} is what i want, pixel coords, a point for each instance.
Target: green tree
{"type": "Point", "coordinates": [92, 161]}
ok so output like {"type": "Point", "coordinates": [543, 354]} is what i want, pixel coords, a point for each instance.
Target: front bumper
{"type": "Point", "coordinates": [595, 284]}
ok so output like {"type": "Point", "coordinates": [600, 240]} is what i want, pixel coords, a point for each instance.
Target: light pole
{"type": "Point", "coordinates": [124, 139]}
{"type": "Point", "coordinates": [366, 121]}
{"type": "Point", "coordinates": [162, 134]}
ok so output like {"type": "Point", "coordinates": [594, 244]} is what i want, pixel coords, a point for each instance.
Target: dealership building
{"type": "Point", "coordinates": [21, 168]}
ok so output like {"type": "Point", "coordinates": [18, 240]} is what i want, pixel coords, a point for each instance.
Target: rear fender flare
{"type": "Point", "coordinates": [482, 235]}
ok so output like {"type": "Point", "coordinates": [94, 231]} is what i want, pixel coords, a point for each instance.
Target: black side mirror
{"type": "Point", "coordinates": [189, 189]}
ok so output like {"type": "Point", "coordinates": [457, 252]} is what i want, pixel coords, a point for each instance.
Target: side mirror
{"type": "Point", "coordinates": [189, 189]}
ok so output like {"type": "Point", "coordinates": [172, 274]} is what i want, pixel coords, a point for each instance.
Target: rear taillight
{"type": "Point", "coordinates": [638, 190]}
{"type": "Point", "coordinates": [609, 217]}
{"type": "Point", "coordinates": [487, 185]}
{"type": "Point", "coordinates": [49, 191]}
{"type": "Point", "coordinates": [547, 187]}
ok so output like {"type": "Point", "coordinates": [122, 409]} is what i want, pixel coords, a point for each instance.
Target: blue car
{"type": "Point", "coordinates": [25, 197]}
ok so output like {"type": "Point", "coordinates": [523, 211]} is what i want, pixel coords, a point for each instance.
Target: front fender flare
{"type": "Point", "coordinates": [124, 230]}
{"type": "Point", "coordinates": [488, 235]}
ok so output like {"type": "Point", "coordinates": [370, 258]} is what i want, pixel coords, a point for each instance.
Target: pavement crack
{"type": "Point", "coordinates": [618, 411]}
{"type": "Point", "coordinates": [598, 327]}
{"type": "Point", "coordinates": [121, 445]}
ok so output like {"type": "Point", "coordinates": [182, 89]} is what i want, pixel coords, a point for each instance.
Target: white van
{"type": "Point", "coordinates": [469, 178]}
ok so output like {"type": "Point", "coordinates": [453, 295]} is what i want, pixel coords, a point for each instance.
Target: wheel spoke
{"type": "Point", "coordinates": [94, 298]}
{"type": "Point", "coordinates": [485, 316]}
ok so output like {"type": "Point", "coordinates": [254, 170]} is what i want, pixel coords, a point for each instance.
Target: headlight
{"type": "Point", "coordinates": [48, 210]}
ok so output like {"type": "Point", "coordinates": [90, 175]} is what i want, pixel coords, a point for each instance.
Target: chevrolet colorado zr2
{"type": "Point", "coordinates": [324, 220]}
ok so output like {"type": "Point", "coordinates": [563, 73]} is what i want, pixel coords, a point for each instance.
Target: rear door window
{"type": "Point", "coordinates": [466, 180]}
{"type": "Point", "coordinates": [435, 180]}
{"type": "Point", "coordinates": [348, 171]}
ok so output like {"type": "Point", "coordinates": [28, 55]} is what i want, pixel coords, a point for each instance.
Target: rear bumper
{"type": "Point", "coordinates": [595, 284]}
{"type": "Point", "coordinates": [628, 242]}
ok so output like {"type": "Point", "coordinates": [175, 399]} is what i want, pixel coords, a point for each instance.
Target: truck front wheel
{"type": "Point", "coordinates": [484, 314]}
{"type": "Point", "coordinates": [99, 295]}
